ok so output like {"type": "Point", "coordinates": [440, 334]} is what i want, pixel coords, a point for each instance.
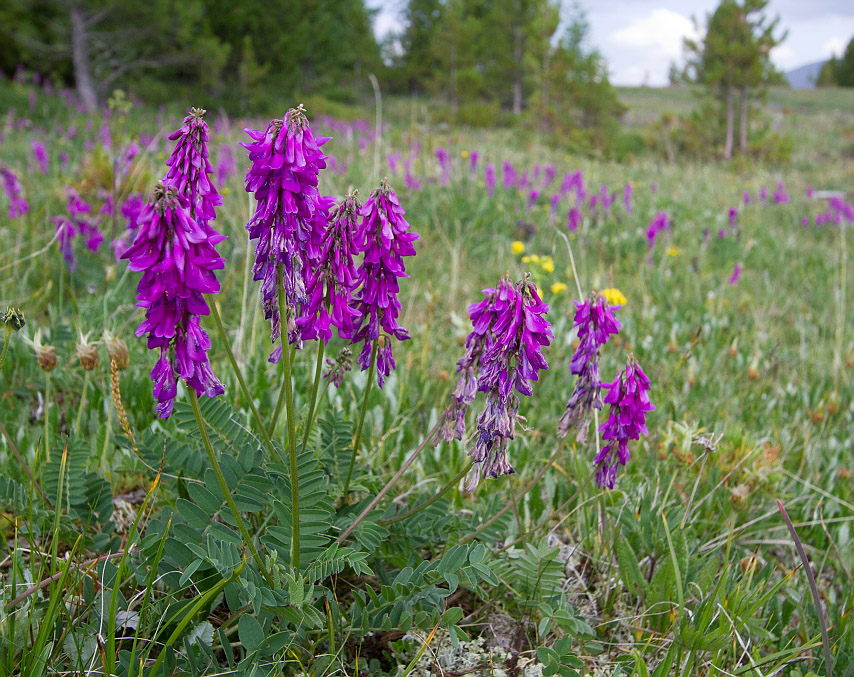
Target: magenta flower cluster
{"type": "Point", "coordinates": [629, 400]}
{"type": "Point", "coordinates": [595, 323]}
{"type": "Point", "coordinates": [17, 204]}
{"type": "Point", "coordinates": [383, 236]}
{"type": "Point", "coordinates": [76, 221]}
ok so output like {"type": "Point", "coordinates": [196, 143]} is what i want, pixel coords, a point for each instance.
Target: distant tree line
{"type": "Point", "coordinates": [838, 71]}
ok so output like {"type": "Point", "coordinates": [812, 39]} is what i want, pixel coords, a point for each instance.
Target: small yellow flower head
{"type": "Point", "coordinates": [517, 248]}
{"type": "Point", "coordinates": [526, 259]}
{"type": "Point", "coordinates": [547, 264]}
{"type": "Point", "coordinates": [464, 154]}
{"type": "Point", "coordinates": [674, 251]}
{"type": "Point", "coordinates": [535, 258]}
{"type": "Point", "coordinates": [613, 296]}
{"type": "Point", "coordinates": [558, 288]}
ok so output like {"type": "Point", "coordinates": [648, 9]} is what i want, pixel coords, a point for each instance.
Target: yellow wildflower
{"type": "Point", "coordinates": [547, 264]}
{"type": "Point", "coordinates": [673, 250]}
{"type": "Point", "coordinates": [464, 154]}
{"type": "Point", "coordinates": [613, 296]}
{"type": "Point", "coordinates": [526, 259]}
{"type": "Point", "coordinates": [558, 288]}
{"type": "Point", "coordinates": [517, 247]}
{"type": "Point", "coordinates": [534, 258]}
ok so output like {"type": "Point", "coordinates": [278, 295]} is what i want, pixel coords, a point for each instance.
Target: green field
{"type": "Point", "coordinates": [686, 567]}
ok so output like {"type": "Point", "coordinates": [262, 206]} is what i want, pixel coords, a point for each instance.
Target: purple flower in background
{"type": "Point", "coordinates": [628, 189]}
{"type": "Point", "coordinates": [383, 235]}
{"type": "Point", "coordinates": [286, 159]}
{"type": "Point", "coordinates": [805, 221]}
{"type": "Point", "coordinates": [177, 258]}
{"type": "Point", "coordinates": [392, 162]}
{"type": "Point", "coordinates": [555, 202]}
{"type": "Point", "coordinates": [595, 322]}
{"type": "Point", "coordinates": [226, 166]}
{"type": "Point", "coordinates": [330, 285]}
{"type": "Point", "coordinates": [40, 154]}
{"type": "Point", "coordinates": [483, 316]}
{"type": "Point", "coordinates": [104, 133]}
{"type": "Point", "coordinates": [745, 196]}
{"type": "Point", "coordinates": [130, 210]}
{"type": "Point", "coordinates": [444, 164]}
{"type": "Point", "coordinates": [548, 177]}
{"type": "Point", "coordinates": [840, 209]}
{"type": "Point", "coordinates": [654, 187]}
{"type": "Point", "coordinates": [17, 205]}
{"type": "Point", "coordinates": [189, 166]}
{"type": "Point", "coordinates": [573, 218]}
{"type": "Point", "coordinates": [75, 222]}
{"type": "Point", "coordinates": [594, 202]}
{"type": "Point", "coordinates": [508, 366]}
{"type": "Point", "coordinates": [489, 176]}
{"type": "Point", "coordinates": [629, 400]}
{"type": "Point", "coordinates": [659, 223]}
{"type": "Point", "coordinates": [509, 177]}
{"type": "Point", "coordinates": [533, 196]}
{"type": "Point", "coordinates": [736, 273]}
{"type": "Point", "coordinates": [780, 195]}
{"type": "Point", "coordinates": [721, 233]}
{"type": "Point", "coordinates": [473, 162]}
{"type": "Point", "coordinates": [763, 194]}
{"type": "Point", "coordinates": [810, 192]}
{"type": "Point", "coordinates": [732, 214]}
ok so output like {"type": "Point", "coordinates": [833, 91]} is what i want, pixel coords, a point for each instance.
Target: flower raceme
{"type": "Point", "coordinates": [629, 403]}
{"type": "Point", "coordinates": [17, 205]}
{"type": "Point", "coordinates": [384, 237]}
{"type": "Point", "coordinates": [289, 215]}
{"type": "Point", "coordinates": [177, 258]}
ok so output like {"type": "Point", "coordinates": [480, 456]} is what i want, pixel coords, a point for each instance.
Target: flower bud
{"type": "Point", "coordinates": [12, 319]}
{"type": "Point", "coordinates": [46, 357]}
{"type": "Point", "coordinates": [118, 350]}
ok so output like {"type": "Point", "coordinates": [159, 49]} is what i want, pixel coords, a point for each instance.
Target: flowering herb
{"type": "Point", "coordinates": [17, 205]}
{"type": "Point", "coordinates": [40, 155]}
{"type": "Point", "coordinates": [736, 273]}
{"type": "Point", "coordinates": [286, 159]}
{"type": "Point", "coordinates": [489, 177]}
{"type": "Point", "coordinates": [509, 364]}
{"type": "Point", "coordinates": [595, 322]}
{"type": "Point", "coordinates": [177, 258]}
{"type": "Point", "coordinates": [75, 222]}
{"type": "Point", "coordinates": [629, 400]}
{"type": "Point", "coordinates": [659, 223]}
{"type": "Point", "coordinates": [383, 236]}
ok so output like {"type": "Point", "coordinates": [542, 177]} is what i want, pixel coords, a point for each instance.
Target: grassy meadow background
{"type": "Point", "coordinates": [764, 363]}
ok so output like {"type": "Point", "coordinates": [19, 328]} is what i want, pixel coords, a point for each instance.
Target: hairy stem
{"type": "Point", "coordinates": [318, 369]}
{"type": "Point", "coordinates": [223, 485]}
{"type": "Point", "coordinates": [79, 418]}
{"type": "Point", "coordinates": [430, 501]}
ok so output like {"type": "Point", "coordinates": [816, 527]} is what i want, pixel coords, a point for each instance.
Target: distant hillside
{"type": "Point", "coordinates": [805, 77]}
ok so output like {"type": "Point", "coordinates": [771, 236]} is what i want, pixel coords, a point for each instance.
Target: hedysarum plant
{"type": "Point", "coordinates": [595, 322]}
{"type": "Point", "coordinates": [286, 159]}
{"type": "Point", "coordinates": [17, 205]}
{"type": "Point", "coordinates": [629, 400]}
{"type": "Point", "coordinates": [177, 259]}
{"type": "Point", "coordinates": [508, 366]}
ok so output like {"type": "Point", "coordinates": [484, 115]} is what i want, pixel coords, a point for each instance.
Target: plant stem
{"type": "Point", "coordinates": [280, 402]}
{"type": "Point", "coordinates": [289, 404]}
{"type": "Point", "coordinates": [5, 348]}
{"type": "Point", "coordinates": [349, 530]}
{"type": "Point", "coordinates": [430, 501]}
{"type": "Point", "coordinates": [239, 374]}
{"type": "Point", "coordinates": [318, 369]}
{"type": "Point", "coordinates": [79, 418]}
{"type": "Point", "coordinates": [358, 436]}
{"type": "Point", "coordinates": [47, 417]}
{"type": "Point", "coordinates": [223, 485]}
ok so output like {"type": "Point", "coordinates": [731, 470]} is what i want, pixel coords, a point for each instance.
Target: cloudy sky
{"type": "Point", "coordinates": [640, 38]}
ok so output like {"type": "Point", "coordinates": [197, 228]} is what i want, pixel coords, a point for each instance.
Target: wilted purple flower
{"type": "Point", "coordinates": [40, 154]}
{"type": "Point", "coordinates": [595, 322]}
{"type": "Point", "coordinates": [780, 195]}
{"type": "Point", "coordinates": [384, 237]}
{"type": "Point", "coordinates": [489, 177]}
{"type": "Point", "coordinates": [189, 166]}
{"type": "Point", "coordinates": [736, 273]}
{"type": "Point", "coordinates": [659, 223]}
{"type": "Point", "coordinates": [627, 197]}
{"type": "Point", "coordinates": [732, 214]}
{"type": "Point", "coordinates": [177, 258]}
{"type": "Point", "coordinates": [629, 400]}
{"type": "Point", "coordinates": [330, 284]}
{"type": "Point", "coordinates": [508, 366]}
{"type": "Point", "coordinates": [483, 316]}
{"type": "Point", "coordinates": [17, 205]}
{"type": "Point", "coordinates": [339, 366]}
{"type": "Point", "coordinates": [473, 162]}
{"type": "Point", "coordinates": [286, 160]}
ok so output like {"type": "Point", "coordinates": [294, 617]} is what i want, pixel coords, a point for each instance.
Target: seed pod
{"type": "Point", "coordinates": [88, 356]}
{"type": "Point", "coordinates": [46, 357]}
{"type": "Point", "coordinates": [118, 350]}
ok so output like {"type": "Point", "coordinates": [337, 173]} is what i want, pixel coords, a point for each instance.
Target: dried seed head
{"type": "Point", "coordinates": [118, 350]}
{"type": "Point", "coordinates": [88, 356]}
{"type": "Point", "coordinates": [46, 357]}
{"type": "Point", "coordinates": [12, 319]}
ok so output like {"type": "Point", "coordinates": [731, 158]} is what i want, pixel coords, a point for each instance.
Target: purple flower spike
{"type": "Point", "coordinates": [629, 400]}
{"type": "Point", "coordinates": [509, 364]}
{"type": "Point", "coordinates": [473, 162]}
{"type": "Point", "coordinates": [736, 273]}
{"type": "Point", "coordinates": [17, 205]}
{"type": "Point", "coordinates": [745, 196]}
{"type": "Point", "coordinates": [627, 198]}
{"type": "Point", "coordinates": [659, 223]}
{"type": "Point", "coordinates": [286, 159]}
{"type": "Point", "coordinates": [40, 154]}
{"type": "Point", "coordinates": [384, 237]}
{"type": "Point", "coordinates": [177, 258]}
{"type": "Point", "coordinates": [76, 222]}
{"type": "Point", "coordinates": [330, 284]}
{"type": "Point", "coordinates": [595, 322]}
{"type": "Point", "coordinates": [489, 176]}
{"type": "Point", "coordinates": [732, 214]}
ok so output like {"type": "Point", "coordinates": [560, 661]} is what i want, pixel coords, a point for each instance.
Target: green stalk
{"type": "Point", "coordinates": [321, 346]}
{"type": "Point", "coordinates": [82, 402]}
{"type": "Point", "coordinates": [280, 402]}
{"type": "Point", "coordinates": [358, 436]}
{"type": "Point", "coordinates": [5, 347]}
{"type": "Point", "coordinates": [430, 501]}
{"type": "Point", "coordinates": [47, 418]}
{"type": "Point", "coordinates": [289, 404]}
{"type": "Point", "coordinates": [239, 374]}
{"type": "Point", "coordinates": [194, 403]}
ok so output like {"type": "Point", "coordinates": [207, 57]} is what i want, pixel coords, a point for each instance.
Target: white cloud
{"type": "Point", "coordinates": [661, 31]}
{"type": "Point", "coordinates": [834, 47]}
{"type": "Point", "coordinates": [785, 57]}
